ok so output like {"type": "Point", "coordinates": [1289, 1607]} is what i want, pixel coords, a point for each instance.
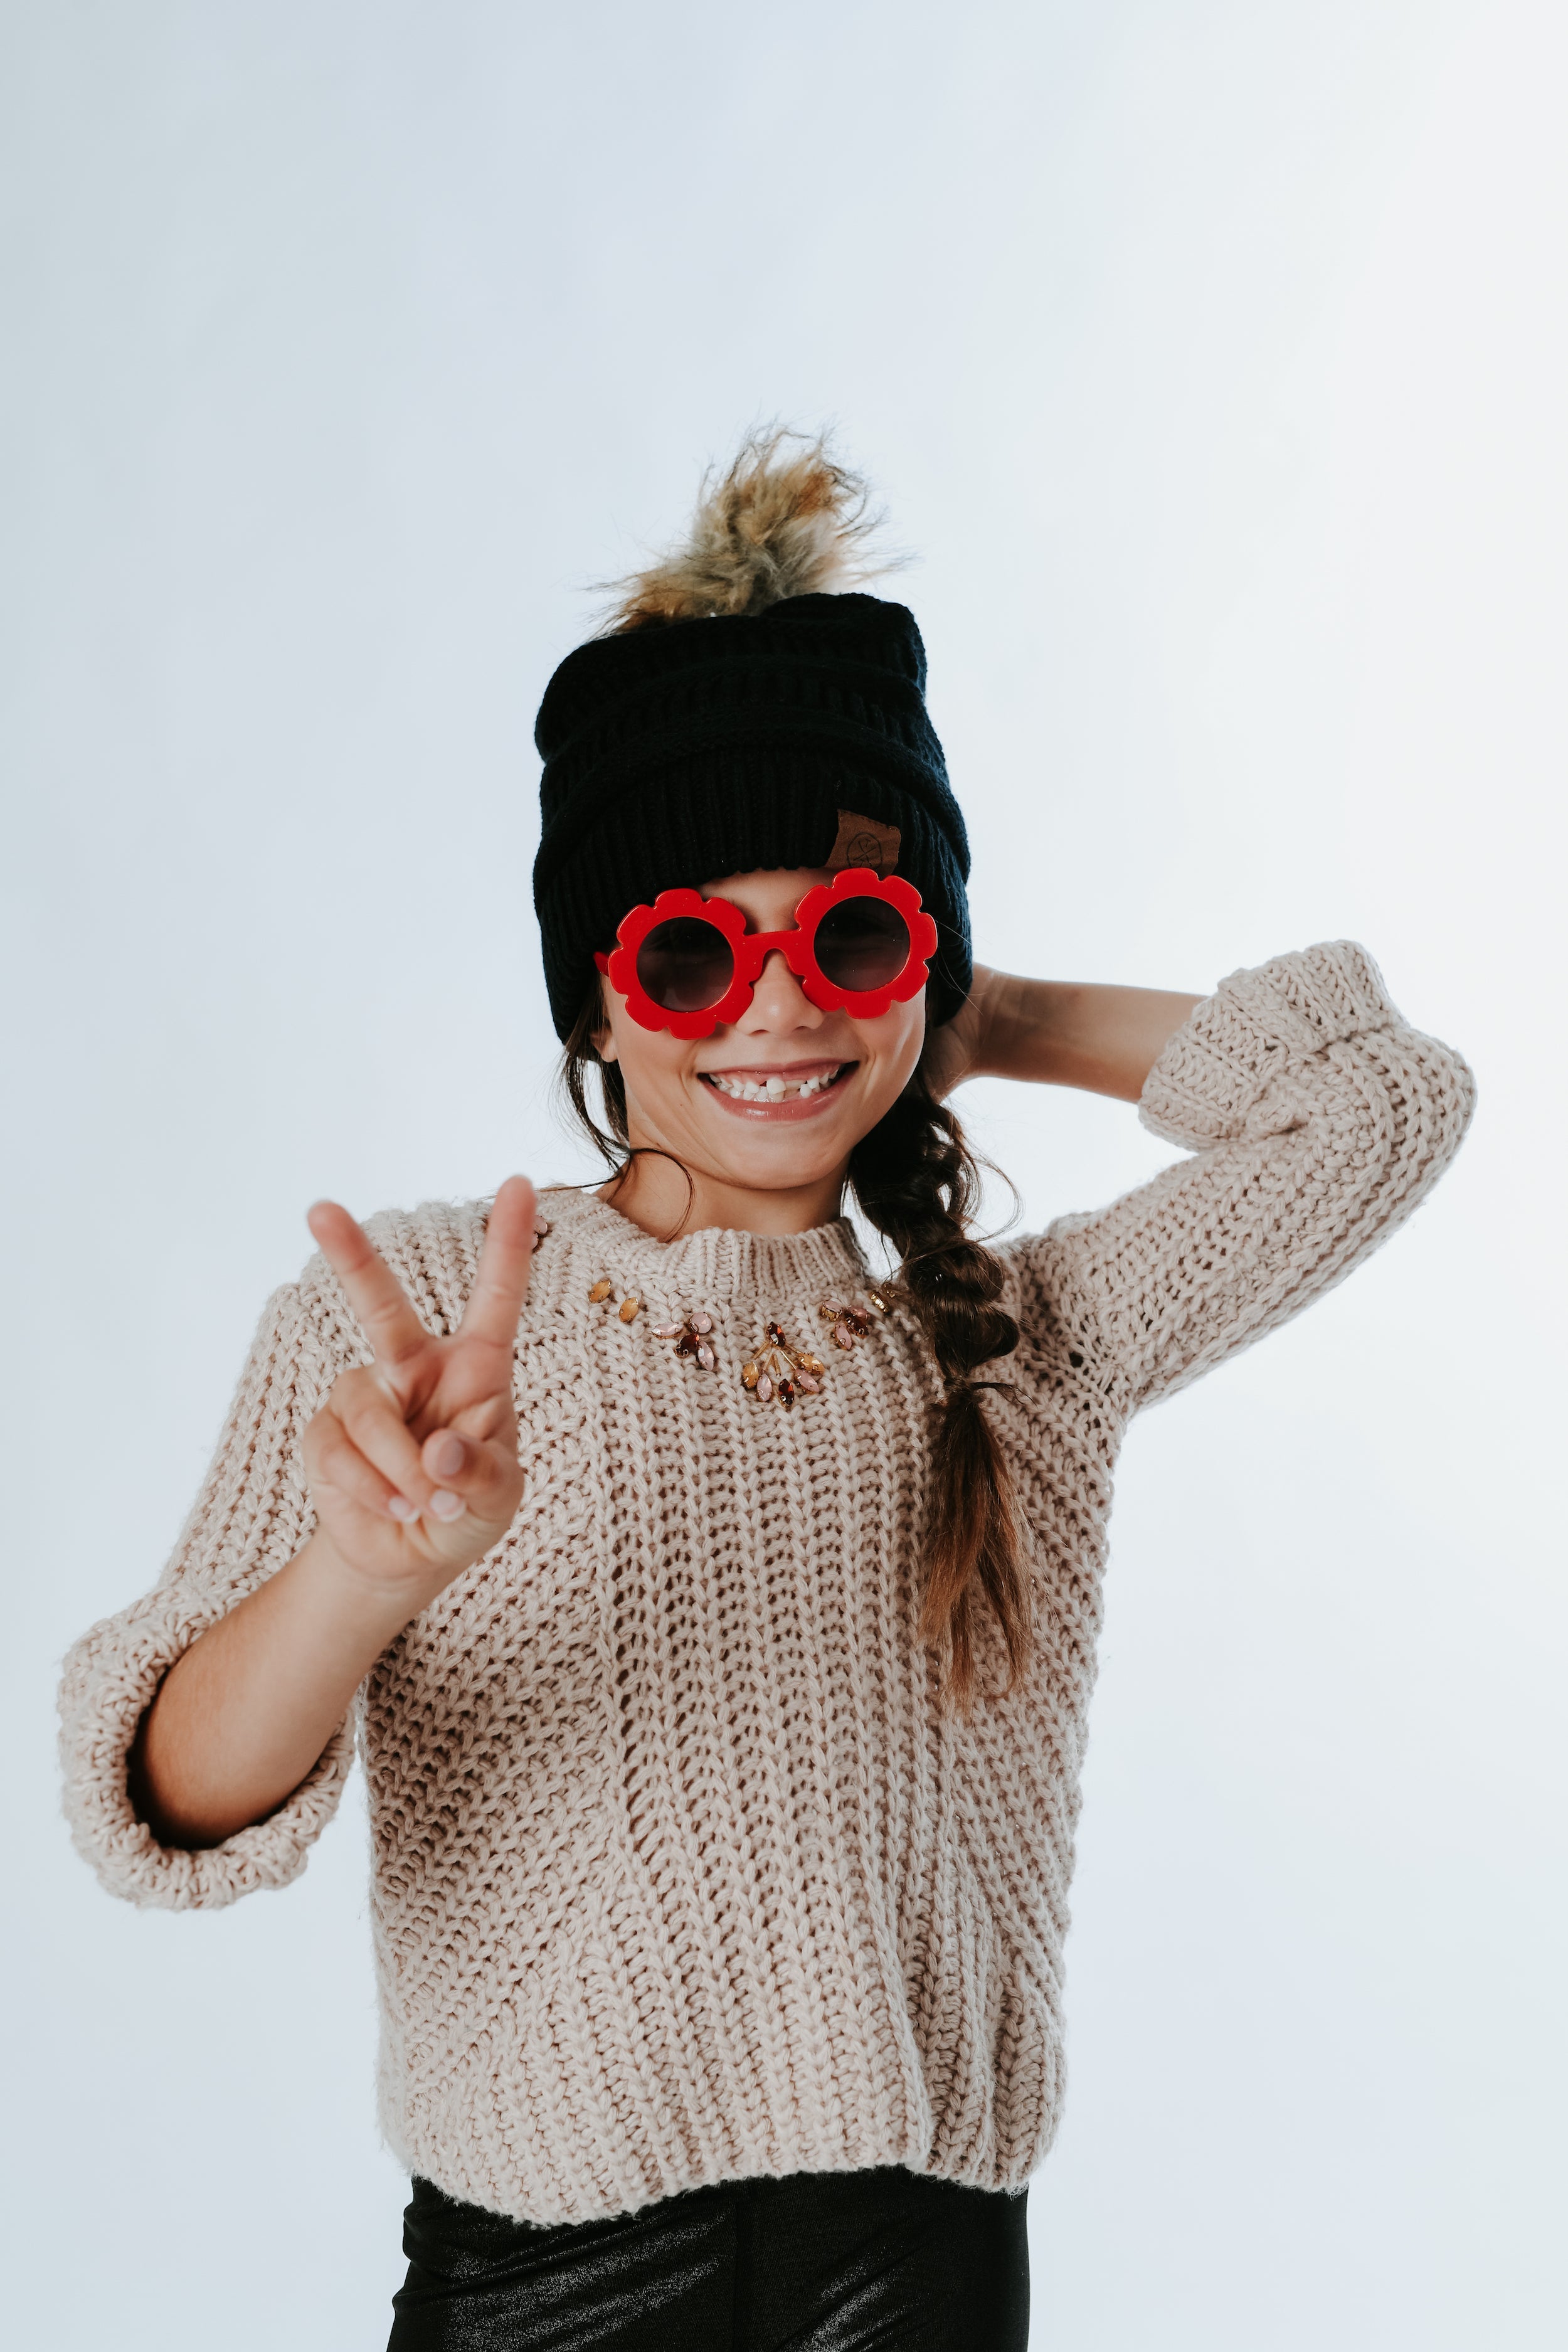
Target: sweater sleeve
{"type": "Point", "coordinates": [251, 1516]}
{"type": "Point", "coordinates": [1317, 1119]}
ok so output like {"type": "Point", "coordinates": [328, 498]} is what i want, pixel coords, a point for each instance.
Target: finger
{"type": "Point", "coordinates": [376, 1426]}
{"type": "Point", "coordinates": [378, 1299]}
{"type": "Point", "coordinates": [484, 1477]}
{"type": "Point", "coordinates": [501, 1281]}
{"type": "Point", "coordinates": [335, 1461]}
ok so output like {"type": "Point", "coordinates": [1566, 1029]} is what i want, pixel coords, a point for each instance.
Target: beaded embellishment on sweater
{"type": "Point", "coordinates": [692, 1338]}
{"type": "Point", "coordinates": [630, 1307]}
{"type": "Point", "coordinates": [851, 1323]}
{"type": "Point", "coordinates": [777, 1369]}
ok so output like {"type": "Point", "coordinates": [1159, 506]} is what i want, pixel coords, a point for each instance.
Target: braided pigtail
{"type": "Point", "coordinates": [916, 1181]}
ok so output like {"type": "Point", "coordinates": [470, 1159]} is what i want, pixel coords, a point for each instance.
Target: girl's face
{"type": "Point", "coordinates": [778, 1099]}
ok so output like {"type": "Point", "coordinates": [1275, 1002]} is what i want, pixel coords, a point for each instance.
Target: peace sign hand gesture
{"type": "Point", "coordinates": [413, 1459]}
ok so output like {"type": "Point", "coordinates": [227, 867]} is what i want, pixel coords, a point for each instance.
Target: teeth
{"type": "Point", "coordinates": [772, 1090]}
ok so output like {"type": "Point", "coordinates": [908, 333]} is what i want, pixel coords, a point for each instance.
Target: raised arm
{"type": "Point", "coordinates": [1058, 1033]}
{"type": "Point", "coordinates": [337, 1509]}
{"type": "Point", "coordinates": [1317, 1118]}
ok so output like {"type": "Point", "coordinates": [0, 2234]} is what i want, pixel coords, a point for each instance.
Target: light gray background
{"type": "Point", "coordinates": [1211, 355]}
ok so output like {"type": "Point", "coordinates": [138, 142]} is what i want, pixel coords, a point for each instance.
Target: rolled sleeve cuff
{"type": "Point", "coordinates": [1259, 1024]}
{"type": "Point", "coordinates": [111, 1678]}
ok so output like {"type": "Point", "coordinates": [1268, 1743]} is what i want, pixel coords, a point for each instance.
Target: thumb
{"type": "Point", "coordinates": [471, 1474]}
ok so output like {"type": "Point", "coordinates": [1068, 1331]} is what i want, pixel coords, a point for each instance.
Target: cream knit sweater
{"type": "Point", "coordinates": [680, 1872]}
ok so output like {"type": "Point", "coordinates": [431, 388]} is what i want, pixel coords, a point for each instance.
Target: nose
{"type": "Point", "coordinates": [779, 1002]}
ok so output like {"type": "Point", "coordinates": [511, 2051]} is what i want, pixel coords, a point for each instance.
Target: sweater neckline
{"type": "Point", "coordinates": [712, 1263]}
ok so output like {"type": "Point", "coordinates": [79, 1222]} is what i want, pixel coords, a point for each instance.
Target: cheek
{"type": "Point", "coordinates": [892, 1045]}
{"type": "Point", "coordinates": [652, 1063]}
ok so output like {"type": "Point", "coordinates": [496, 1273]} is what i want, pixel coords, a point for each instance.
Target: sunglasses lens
{"type": "Point", "coordinates": [862, 944]}
{"type": "Point", "coordinates": [685, 965]}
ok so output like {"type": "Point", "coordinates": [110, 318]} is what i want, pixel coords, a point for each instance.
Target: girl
{"type": "Point", "coordinates": [716, 1623]}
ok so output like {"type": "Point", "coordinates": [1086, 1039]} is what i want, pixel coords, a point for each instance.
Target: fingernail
{"type": "Point", "coordinates": [444, 1506]}
{"type": "Point", "coordinates": [447, 1455]}
{"type": "Point", "coordinates": [401, 1507]}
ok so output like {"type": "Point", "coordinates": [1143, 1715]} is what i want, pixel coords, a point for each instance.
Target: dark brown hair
{"type": "Point", "coordinates": [917, 1183]}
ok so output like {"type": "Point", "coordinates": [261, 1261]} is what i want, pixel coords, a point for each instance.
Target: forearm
{"type": "Point", "coordinates": [245, 1713]}
{"type": "Point", "coordinates": [1076, 1032]}
{"type": "Point", "coordinates": [1312, 1116]}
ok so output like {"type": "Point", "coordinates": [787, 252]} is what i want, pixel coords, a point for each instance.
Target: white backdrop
{"type": "Point", "coordinates": [1211, 354]}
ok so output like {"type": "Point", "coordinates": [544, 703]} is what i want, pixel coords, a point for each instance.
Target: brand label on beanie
{"type": "Point", "coordinates": [864, 841]}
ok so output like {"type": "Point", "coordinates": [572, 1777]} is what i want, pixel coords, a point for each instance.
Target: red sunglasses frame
{"type": "Point", "coordinates": [752, 949]}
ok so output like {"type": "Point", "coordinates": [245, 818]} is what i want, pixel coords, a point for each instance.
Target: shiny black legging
{"type": "Point", "coordinates": [824, 2262]}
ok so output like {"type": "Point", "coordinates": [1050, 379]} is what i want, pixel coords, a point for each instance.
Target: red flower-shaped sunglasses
{"type": "Point", "coordinates": [688, 963]}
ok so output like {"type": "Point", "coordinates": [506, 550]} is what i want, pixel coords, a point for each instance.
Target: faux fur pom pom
{"type": "Point", "coordinates": [785, 521]}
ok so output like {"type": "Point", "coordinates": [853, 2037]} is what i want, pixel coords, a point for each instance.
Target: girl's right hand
{"type": "Point", "coordinates": [413, 1461]}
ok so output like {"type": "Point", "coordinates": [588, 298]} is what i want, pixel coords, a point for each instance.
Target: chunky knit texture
{"type": "Point", "coordinates": [682, 1873]}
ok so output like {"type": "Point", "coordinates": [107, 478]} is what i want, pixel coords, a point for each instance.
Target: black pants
{"type": "Point", "coordinates": [827, 2261]}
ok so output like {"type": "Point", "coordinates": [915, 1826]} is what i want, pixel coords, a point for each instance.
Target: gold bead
{"type": "Point", "coordinates": [629, 1306]}
{"type": "Point", "coordinates": [603, 1290]}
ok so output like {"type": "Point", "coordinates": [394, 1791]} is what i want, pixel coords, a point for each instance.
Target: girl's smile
{"type": "Point", "coordinates": [773, 1091]}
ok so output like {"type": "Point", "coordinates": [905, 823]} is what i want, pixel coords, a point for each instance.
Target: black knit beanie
{"type": "Point", "coordinates": [693, 748]}
{"type": "Point", "coordinates": [740, 718]}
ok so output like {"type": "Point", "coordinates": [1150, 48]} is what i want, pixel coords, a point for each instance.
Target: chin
{"type": "Point", "coordinates": [782, 1171]}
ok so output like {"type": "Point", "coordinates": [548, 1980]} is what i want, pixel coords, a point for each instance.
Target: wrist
{"type": "Point", "coordinates": [1024, 1028]}
{"type": "Point", "coordinates": [987, 991]}
{"type": "Point", "coordinates": [356, 1601]}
